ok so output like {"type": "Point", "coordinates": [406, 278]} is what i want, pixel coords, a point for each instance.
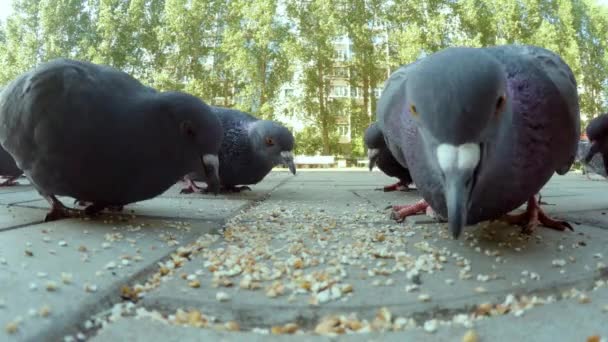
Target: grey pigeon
{"type": "Point", "coordinates": [250, 149]}
{"type": "Point", "coordinates": [379, 155]}
{"type": "Point", "coordinates": [597, 132]}
{"type": "Point", "coordinates": [8, 168]}
{"type": "Point", "coordinates": [95, 133]}
{"type": "Point", "coordinates": [485, 129]}
{"type": "Point", "coordinates": [593, 166]}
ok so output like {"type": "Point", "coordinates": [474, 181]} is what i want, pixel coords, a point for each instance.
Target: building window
{"type": "Point", "coordinates": [339, 91]}
{"type": "Point", "coordinates": [341, 55]}
{"type": "Point", "coordinates": [340, 72]}
{"type": "Point", "coordinates": [377, 92]}
{"type": "Point", "coordinates": [343, 130]}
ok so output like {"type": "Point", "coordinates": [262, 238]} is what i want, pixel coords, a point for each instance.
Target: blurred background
{"type": "Point", "coordinates": [318, 66]}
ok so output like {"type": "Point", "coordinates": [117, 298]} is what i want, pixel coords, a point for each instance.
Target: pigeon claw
{"type": "Point", "coordinates": [60, 211]}
{"type": "Point", "coordinates": [191, 187]}
{"type": "Point", "coordinates": [10, 181]}
{"type": "Point", "coordinates": [394, 187]}
{"type": "Point", "coordinates": [400, 212]}
{"type": "Point", "coordinates": [533, 217]}
{"type": "Point", "coordinates": [235, 189]}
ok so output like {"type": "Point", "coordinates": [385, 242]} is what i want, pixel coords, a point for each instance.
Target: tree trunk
{"type": "Point", "coordinates": [263, 68]}
{"type": "Point", "coordinates": [322, 108]}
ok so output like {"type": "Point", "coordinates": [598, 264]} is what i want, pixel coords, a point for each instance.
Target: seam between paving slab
{"type": "Point", "coordinates": [110, 297]}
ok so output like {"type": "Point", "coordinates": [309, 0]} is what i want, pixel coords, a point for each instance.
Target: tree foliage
{"type": "Point", "coordinates": [239, 53]}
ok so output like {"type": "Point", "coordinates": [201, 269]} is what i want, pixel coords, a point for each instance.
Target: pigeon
{"type": "Point", "coordinates": [595, 165]}
{"type": "Point", "coordinates": [597, 132]}
{"type": "Point", "coordinates": [485, 129]}
{"type": "Point", "coordinates": [96, 134]}
{"type": "Point", "coordinates": [379, 155]}
{"type": "Point", "coordinates": [8, 169]}
{"type": "Point", "coordinates": [250, 149]}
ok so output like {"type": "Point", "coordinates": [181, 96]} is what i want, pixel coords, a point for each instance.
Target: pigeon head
{"type": "Point", "coordinates": [374, 141]}
{"type": "Point", "coordinates": [597, 132]}
{"type": "Point", "coordinates": [200, 131]}
{"type": "Point", "coordinates": [456, 97]}
{"type": "Point", "coordinates": [273, 142]}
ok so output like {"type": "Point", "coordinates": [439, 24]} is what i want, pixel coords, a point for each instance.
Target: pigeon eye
{"type": "Point", "coordinates": [188, 129]}
{"type": "Point", "coordinates": [269, 141]}
{"type": "Point", "coordinates": [413, 110]}
{"type": "Point", "coordinates": [500, 103]}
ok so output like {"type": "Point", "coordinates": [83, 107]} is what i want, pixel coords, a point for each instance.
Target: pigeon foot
{"type": "Point", "coordinates": [535, 216]}
{"type": "Point", "coordinates": [10, 181]}
{"type": "Point", "coordinates": [59, 210]}
{"type": "Point", "coordinates": [191, 187]}
{"type": "Point", "coordinates": [399, 186]}
{"type": "Point", "coordinates": [86, 204]}
{"type": "Point", "coordinates": [235, 189]}
{"type": "Point", "coordinates": [400, 212]}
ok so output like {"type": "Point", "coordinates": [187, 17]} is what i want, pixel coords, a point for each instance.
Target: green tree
{"type": "Point", "coordinates": [23, 40]}
{"type": "Point", "coordinates": [317, 23]}
{"type": "Point", "coordinates": [254, 45]}
{"type": "Point", "coordinates": [66, 28]}
{"type": "Point", "coordinates": [365, 28]}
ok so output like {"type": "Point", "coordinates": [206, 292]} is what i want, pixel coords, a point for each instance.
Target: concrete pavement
{"type": "Point", "coordinates": [314, 255]}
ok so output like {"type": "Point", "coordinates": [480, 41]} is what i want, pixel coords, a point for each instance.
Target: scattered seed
{"type": "Point", "coordinates": [584, 299]}
{"type": "Point", "coordinates": [480, 289]}
{"type": "Point", "coordinates": [51, 286]}
{"type": "Point", "coordinates": [411, 288]}
{"type": "Point", "coordinates": [431, 326]}
{"type": "Point", "coordinates": [222, 296]}
{"type": "Point", "coordinates": [44, 311]}
{"type": "Point", "coordinates": [12, 327]}
{"type": "Point", "coordinates": [424, 298]}
{"type": "Point", "coordinates": [195, 283]}
{"type": "Point", "coordinates": [66, 278]}
{"type": "Point", "coordinates": [470, 336]}
{"type": "Point", "coordinates": [90, 288]}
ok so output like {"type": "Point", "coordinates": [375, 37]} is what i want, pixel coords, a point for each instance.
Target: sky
{"type": "Point", "coordinates": [5, 7]}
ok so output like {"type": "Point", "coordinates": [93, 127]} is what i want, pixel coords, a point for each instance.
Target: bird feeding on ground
{"type": "Point", "coordinates": [250, 149]}
{"type": "Point", "coordinates": [379, 155]}
{"type": "Point", "coordinates": [95, 133]}
{"type": "Point", "coordinates": [485, 129]}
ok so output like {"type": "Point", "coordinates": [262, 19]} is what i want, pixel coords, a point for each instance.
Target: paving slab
{"type": "Point", "coordinates": [38, 259]}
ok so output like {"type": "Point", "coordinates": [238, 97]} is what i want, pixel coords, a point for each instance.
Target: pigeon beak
{"type": "Point", "coordinates": [458, 165]}
{"type": "Point", "coordinates": [593, 149]}
{"type": "Point", "coordinates": [288, 160]}
{"type": "Point", "coordinates": [372, 155]}
{"type": "Point", "coordinates": [211, 167]}
{"type": "Point", "coordinates": [457, 197]}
